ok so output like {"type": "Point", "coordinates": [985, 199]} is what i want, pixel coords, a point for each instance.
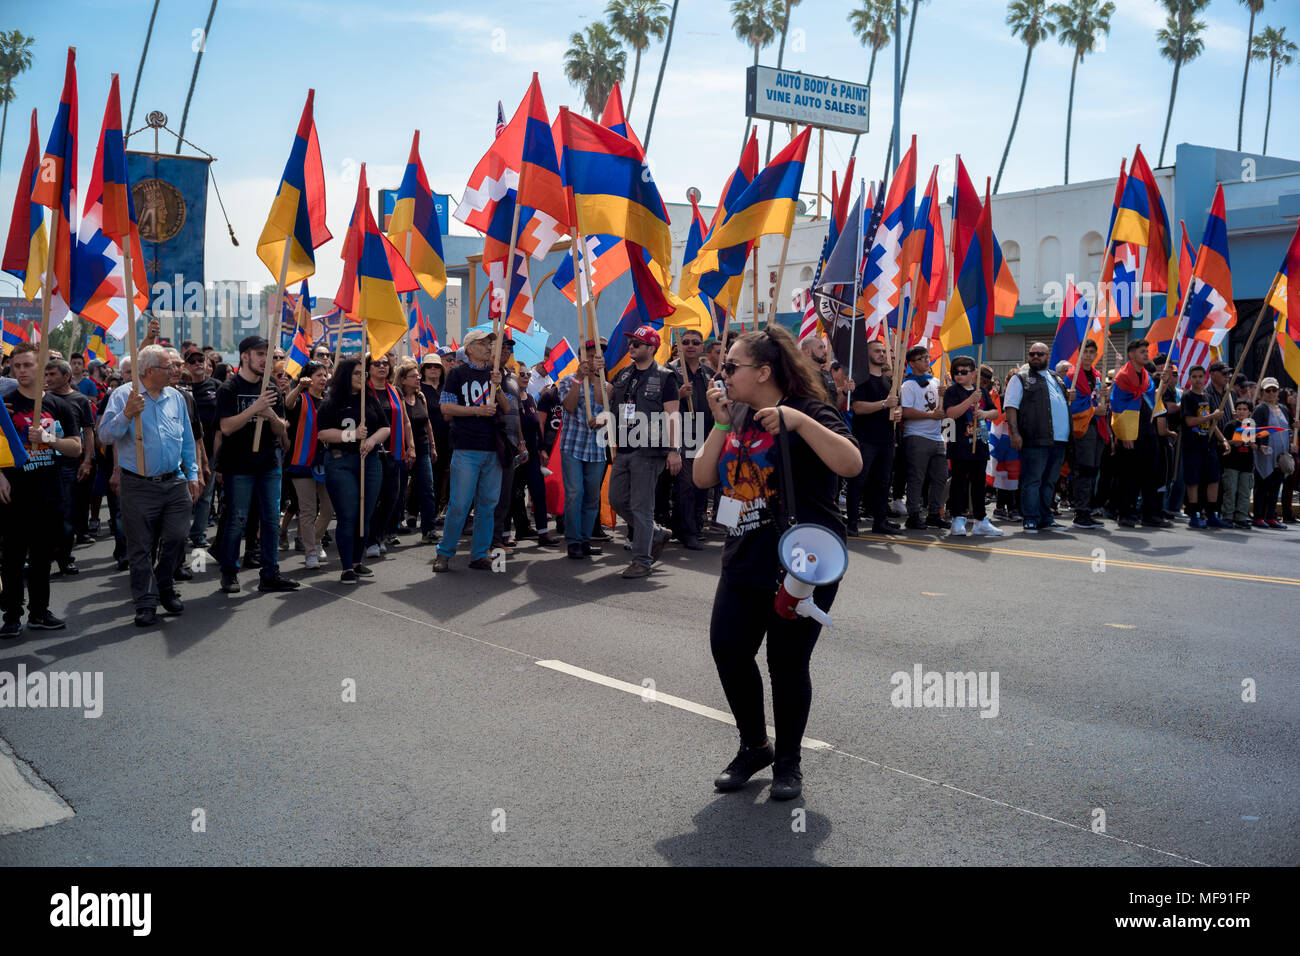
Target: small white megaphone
{"type": "Point", "coordinates": [812, 556]}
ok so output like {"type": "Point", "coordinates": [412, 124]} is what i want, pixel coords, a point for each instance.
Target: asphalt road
{"type": "Point", "coordinates": [472, 741]}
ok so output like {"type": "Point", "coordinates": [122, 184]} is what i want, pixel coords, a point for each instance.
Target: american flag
{"type": "Point", "coordinates": [501, 118]}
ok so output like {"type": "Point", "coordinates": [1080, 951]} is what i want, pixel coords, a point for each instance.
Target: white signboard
{"type": "Point", "coordinates": [810, 100]}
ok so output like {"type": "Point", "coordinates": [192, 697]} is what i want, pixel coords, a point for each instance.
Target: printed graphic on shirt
{"type": "Point", "coordinates": [747, 468]}
{"type": "Point", "coordinates": [39, 456]}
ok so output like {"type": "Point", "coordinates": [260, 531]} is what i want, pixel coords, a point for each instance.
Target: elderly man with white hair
{"type": "Point", "coordinates": [158, 492]}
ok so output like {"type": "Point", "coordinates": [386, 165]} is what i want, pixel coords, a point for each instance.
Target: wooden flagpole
{"type": "Point", "coordinates": [410, 298]}
{"type": "Point", "coordinates": [361, 458]}
{"type": "Point", "coordinates": [128, 286]}
{"type": "Point", "coordinates": [43, 347]}
{"type": "Point", "coordinates": [780, 273]}
{"type": "Point", "coordinates": [1250, 340]}
{"type": "Point", "coordinates": [975, 425]}
{"type": "Point", "coordinates": [754, 284]}
{"type": "Point", "coordinates": [272, 321]}
{"type": "Point", "coordinates": [593, 326]}
{"type": "Point", "coordinates": [584, 327]}
{"type": "Point", "coordinates": [498, 324]}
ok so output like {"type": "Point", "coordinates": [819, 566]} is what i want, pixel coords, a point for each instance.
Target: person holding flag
{"type": "Point", "coordinates": [303, 461]}
{"type": "Point", "coordinates": [1090, 433]}
{"type": "Point", "coordinates": [31, 494]}
{"type": "Point", "coordinates": [1133, 418]}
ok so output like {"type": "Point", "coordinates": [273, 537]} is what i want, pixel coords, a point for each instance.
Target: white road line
{"type": "Point", "coordinates": [26, 802]}
{"type": "Point", "coordinates": [723, 717]}
{"type": "Point", "coordinates": [660, 698]}
{"type": "Point", "coordinates": [1012, 806]}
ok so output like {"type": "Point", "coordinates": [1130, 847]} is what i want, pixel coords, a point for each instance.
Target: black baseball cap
{"type": "Point", "coordinates": [252, 343]}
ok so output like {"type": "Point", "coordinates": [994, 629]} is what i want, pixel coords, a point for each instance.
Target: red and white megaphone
{"type": "Point", "coordinates": [812, 556]}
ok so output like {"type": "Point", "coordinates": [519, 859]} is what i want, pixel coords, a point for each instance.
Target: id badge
{"type": "Point", "coordinates": [728, 511]}
{"type": "Point", "coordinates": [627, 411]}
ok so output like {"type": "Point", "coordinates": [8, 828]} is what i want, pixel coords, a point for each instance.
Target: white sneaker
{"type": "Point", "coordinates": [313, 562]}
{"type": "Point", "coordinates": [958, 528]}
{"type": "Point", "coordinates": [320, 553]}
{"type": "Point", "coordinates": [383, 549]}
{"type": "Point", "coordinates": [372, 551]}
{"type": "Point", "coordinates": [985, 526]}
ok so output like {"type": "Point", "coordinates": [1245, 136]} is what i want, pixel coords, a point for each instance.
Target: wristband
{"type": "Point", "coordinates": [721, 428]}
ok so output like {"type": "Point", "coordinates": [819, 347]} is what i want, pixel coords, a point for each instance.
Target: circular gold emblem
{"type": "Point", "coordinates": [159, 209]}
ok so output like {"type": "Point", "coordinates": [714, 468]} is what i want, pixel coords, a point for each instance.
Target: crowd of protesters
{"type": "Point", "coordinates": [203, 463]}
{"type": "Point", "coordinates": [449, 447]}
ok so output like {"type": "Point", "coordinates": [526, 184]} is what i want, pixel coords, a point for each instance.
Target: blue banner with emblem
{"type": "Point", "coordinates": [170, 194]}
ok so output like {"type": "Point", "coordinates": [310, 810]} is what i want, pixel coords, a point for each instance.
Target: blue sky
{"type": "Point", "coordinates": [441, 66]}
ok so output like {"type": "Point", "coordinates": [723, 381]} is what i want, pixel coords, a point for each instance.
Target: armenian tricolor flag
{"type": "Point", "coordinates": [415, 218]}
{"type": "Point", "coordinates": [723, 281]}
{"type": "Point", "coordinates": [299, 353]}
{"type": "Point", "coordinates": [298, 212]}
{"type": "Point", "coordinates": [931, 291]}
{"type": "Point", "coordinates": [13, 334]}
{"type": "Point", "coordinates": [560, 360]}
{"type": "Point", "coordinates": [966, 213]}
{"type": "Point", "coordinates": [97, 348]}
{"type": "Point", "coordinates": [13, 453]}
{"type": "Point", "coordinates": [27, 249]}
{"type": "Point", "coordinates": [970, 314]}
{"type": "Point", "coordinates": [303, 453]}
{"type": "Point", "coordinates": [1071, 328]}
{"type": "Point", "coordinates": [374, 275]}
{"type": "Point", "coordinates": [1132, 387]}
{"type": "Point", "coordinates": [766, 207]}
{"type": "Point", "coordinates": [649, 304]}
{"type": "Point", "coordinates": [611, 187]}
{"type": "Point", "coordinates": [56, 189]}
{"type": "Point", "coordinates": [614, 118]}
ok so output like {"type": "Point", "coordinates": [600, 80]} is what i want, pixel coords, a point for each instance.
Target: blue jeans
{"type": "Point", "coordinates": [1039, 468]}
{"type": "Point", "coordinates": [582, 480]}
{"type": "Point", "coordinates": [475, 479]}
{"type": "Point", "coordinates": [343, 480]}
{"type": "Point", "coordinates": [422, 475]}
{"type": "Point", "coordinates": [202, 510]}
{"type": "Point", "coordinates": [234, 517]}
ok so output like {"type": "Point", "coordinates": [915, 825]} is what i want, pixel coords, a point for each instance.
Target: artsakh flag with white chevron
{"type": "Point", "coordinates": [883, 278]}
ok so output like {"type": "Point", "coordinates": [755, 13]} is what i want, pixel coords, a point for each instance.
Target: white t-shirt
{"type": "Point", "coordinates": [923, 400]}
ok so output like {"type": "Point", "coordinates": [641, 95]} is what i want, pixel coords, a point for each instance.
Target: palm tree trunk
{"type": "Point", "coordinates": [870, 71]}
{"type": "Point", "coordinates": [780, 59]}
{"type": "Point", "coordinates": [902, 87]}
{"type": "Point", "coordinates": [663, 65]}
{"type": "Point", "coordinates": [636, 71]}
{"type": "Point", "coordinates": [5, 121]}
{"type": "Point", "coordinates": [1169, 115]}
{"type": "Point", "coordinates": [1024, 78]}
{"type": "Point", "coordinates": [1069, 115]}
{"type": "Point", "coordinates": [749, 120]}
{"type": "Point", "coordinates": [1241, 115]}
{"type": "Point", "coordinates": [1268, 115]}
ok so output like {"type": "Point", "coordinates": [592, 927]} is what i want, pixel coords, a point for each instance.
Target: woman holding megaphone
{"type": "Point", "coordinates": [772, 422]}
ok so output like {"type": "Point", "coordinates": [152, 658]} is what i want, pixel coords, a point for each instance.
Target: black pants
{"type": "Point", "coordinates": [30, 526]}
{"type": "Point", "coordinates": [1138, 472]}
{"type": "Point", "coordinates": [966, 488]}
{"type": "Point", "coordinates": [742, 615]}
{"type": "Point", "coordinates": [386, 506]}
{"type": "Point", "coordinates": [68, 482]}
{"type": "Point", "coordinates": [528, 477]}
{"type": "Point", "coordinates": [1266, 490]}
{"type": "Point", "coordinates": [688, 503]}
{"type": "Point", "coordinates": [868, 492]}
{"type": "Point", "coordinates": [81, 502]}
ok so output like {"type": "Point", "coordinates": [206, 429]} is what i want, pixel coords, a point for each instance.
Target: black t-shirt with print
{"type": "Point", "coordinates": [749, 468]}
{"type": "Point", "coordinates": [59, 418]}
{"type": "Point", "coordinates": [965, 426]}
{"type": "Point", "coordinates": [1192, 406]}
{"type": "Point", "coordinates": [237, 456]}
{"type": "Point", "coordinates": [85, 419]}
{"type": "Point", "coordinates": [345, 416]}
{"type": "Point", "coordinates": [472, 386]}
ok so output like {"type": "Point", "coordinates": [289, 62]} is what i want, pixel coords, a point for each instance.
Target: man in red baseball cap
{"type": "Point", "coordinates": [649, 436]}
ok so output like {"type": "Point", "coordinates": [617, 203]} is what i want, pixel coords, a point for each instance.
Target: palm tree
{"type": "Point", "coordinates": [780, 58]}
{"type": "Point", "coordinates": [663, 66]}
{"type": "Point", "coordinates": [902, 86]}
{"type": "Point", "coordinates": [15, 58]}
{"type": "Point", "coordinates": [1031, 21]}
{"type": "Point", "coordinates": [1180, 42]}
{"type": "Point", "coordinates": [594, 63]}
{"type": "Point", "coordinates": [635, 22]}
{"type": "Point", "coordinates": [1079, 23]}
{"type": "Point", "coordinates": [872, 25]}
{"type": "Point", "coordinates": [755, 24]}
{"type": "Point", "coordinates": [1272, 45]}
{"type": "Point", "coordinates": [1255, 7]}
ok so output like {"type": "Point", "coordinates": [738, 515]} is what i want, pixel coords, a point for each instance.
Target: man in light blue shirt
{"type": "Point", "coordinates": [157, 495]}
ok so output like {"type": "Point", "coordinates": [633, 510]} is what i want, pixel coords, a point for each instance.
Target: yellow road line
{"type": "Point", "coordinates": [1087, 559]}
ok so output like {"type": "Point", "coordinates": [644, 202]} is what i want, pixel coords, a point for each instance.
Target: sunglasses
{"type": "Point", "coordinates": [729, 368]}
{"type": "Point", "coordinates": [195, 360]}
{"type": "Point", "coordinates": [382, 363]}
